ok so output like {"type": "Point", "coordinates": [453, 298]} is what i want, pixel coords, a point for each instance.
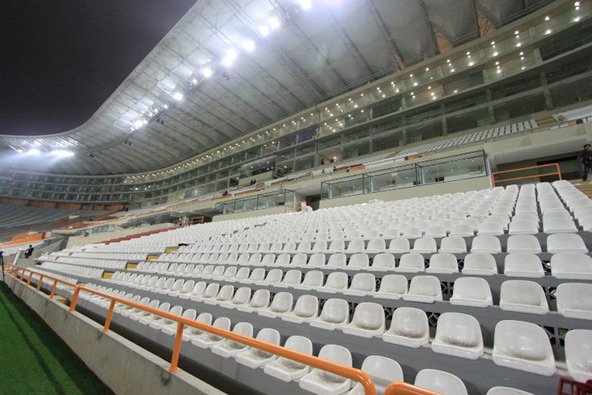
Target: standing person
{"type": "Point", "coordinates": [29, 251]}
{"type": "Point", "coordinates": [585, 161]}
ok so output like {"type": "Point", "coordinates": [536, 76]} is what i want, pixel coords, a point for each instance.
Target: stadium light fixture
{"type": "Point", "coordinates": [62, 153]}
{"type": "Point", "coordinates": [306, 4]}
{"type": "Point", "coordinates": [178, 96]}
{"type": "Point", "coordinates": [33, 151]}
{"type": "Point", "coordinates": [207, 72]}
{"type": "Point", "coordinates": [274, 23]}
{"type": "Point", "coordinates": [230, 57]}
{"type": "Point", "coordinates": [249, 46]}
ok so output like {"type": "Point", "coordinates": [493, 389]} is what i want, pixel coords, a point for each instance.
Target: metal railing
{"type": "Point", "coordinates": [557, 172]}
{"type": "Point", "coordinates": [361, 377]}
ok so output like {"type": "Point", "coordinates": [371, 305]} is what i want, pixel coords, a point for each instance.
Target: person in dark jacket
{"type": "Point", "coordinates": [29, 251]}
{"type": "Point", "coordinates": [585, 161]}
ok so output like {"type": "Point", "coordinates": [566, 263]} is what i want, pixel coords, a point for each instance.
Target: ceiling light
{"type": "Point", "coordinates": [230, 57]}
{"type": "Point", "coordinates": [62, 153]}
{"type": "Point", "coordinates": [207, 72]}
{"type": "Point", "coordinates": [249, 45]}
{"type": "Point", "coordinates": [178, 96]}
{"type": "Point", "coordinates": [306, 4]}
{"type": "Point", "coordinates": [264, 31]}
{"type": "Point", "coordinates": [274, 23]}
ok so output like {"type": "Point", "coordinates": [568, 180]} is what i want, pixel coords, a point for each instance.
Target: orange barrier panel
{"type": "Point", "coordinates": [347, 372]}
{"type": "Point", "coordinates": [557, 173]}
{"type": "Point", "coordinates": [401, 388]}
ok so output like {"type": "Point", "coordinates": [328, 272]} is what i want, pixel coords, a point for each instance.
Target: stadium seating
{"type": "Point", "coordinates": [443, 284]}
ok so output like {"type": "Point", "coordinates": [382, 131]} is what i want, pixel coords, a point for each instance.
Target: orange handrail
{"type": "Point", "coordinates": [347, 372]}
{"type": "Point", "coordinates": [557, 172]}
{"type": "Point", "coordinates": [401, 388]}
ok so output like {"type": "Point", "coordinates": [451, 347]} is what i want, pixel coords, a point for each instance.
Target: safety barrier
{"type": "Point", "coordinates": [363, 378]}
{"type": "Point", "coordinates": [397, 388]}
{"type": "Point", "coordinates": [555, 166]}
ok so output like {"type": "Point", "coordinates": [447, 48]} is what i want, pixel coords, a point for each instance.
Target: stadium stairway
{"type": "Point", "coordinates": [584, 186]}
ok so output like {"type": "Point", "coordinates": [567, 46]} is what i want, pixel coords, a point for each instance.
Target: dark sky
{"type": "Point", "coordinates": [61, 59]}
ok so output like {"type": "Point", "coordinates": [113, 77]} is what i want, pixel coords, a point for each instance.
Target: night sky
{"type": "Point", "coordinates": [61, 59]}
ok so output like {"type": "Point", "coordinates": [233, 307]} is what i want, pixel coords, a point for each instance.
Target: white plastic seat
{"type": "Point", "coordinates": [376, 246]}
{"type": "Point", "coordinates": [241, 297]}
{"type": "Point", "coordinates": [316, 260]}
{"type": "Point", "coordinates": [523, 265]}
{"type": "Point", "coordinates": [359, 262]}
{"type": "Point", "coordinates": [368, 321]}
{"type": "Point", "coordinates": [443, 262]}
{"type": "Point", "coordinates": [481, 264]}
{"type": "Point", "coordinates": [286, 369]}
{"type": "Point", "coordinates": [490, 228]}
{"type": "Point", "coordinates": [281, 304]}
{"type": "Point", "coordinates": [459, 335]}
{"type": "Point", "coordinates": [567, 265]}
{"type": "Point", "coordinates": [411, 263]}
{"type": "Point", "coordinates": [524, 243]}
{"type": "Point", "coordinates": [306, 308]}
{"type": "Point", "coordinates": [462, 230]}
{"type": "Point", "coordinates": [523, 227]}
{"type": "Point", "coordinates": [574, 300]}
{"type": "Point", "coordinates": [273, 276]}
{"type": "Point", "coordinates": [578, 352]}
{"type": "Point", "coordinates": [337, 260]}
{"type": "Point", "coordinates": [312, 280]}
{"type": "Point", "coordinates": [255, 358]}
{"type": "Point", "coordinates": [336, 282]}
{"type": "Point", "coordinates": [399, 245]}
{"type": "Point", "coordinates": [383, 262]}
{"type": "Point", "coordinates": [440, 382]}
{"type": "Point", "coordinates": [206, 339]}
{"type": "Point", "coordinates": [425, 245]}
{"type": "Point", "coordinates": [506, 391]}
{"type": "Point", "coordinates": [566, 243]}
{"type": "Point", "coordinates": [523, 296]}
{"type": "Point", "coordinates": [259, 300]}
{"type": "Point", "coordinates": [335, 314]}
{"type": "Point", "coordinates": [337, 246]}
{"type": "Point", "coordinates": [435, 231]}
{"type": "Point", "coordinates": [392, 286]}
{"type": "Point", "coordinates": [361, 284]}
{"type": "Point", "coordinates": [291, 279]}
{"type": "Point", "coordinates": [321, 382]}
{"type": "Point", "coordinates": [189, 332]}
{"type": "Point", "coordinates": [383, 372]}
{"type": "Point", "coordinates": [197, 291]}
{"type": "Point", "coordinates": [257, 275]}
{"type": "Point", "coordinates": [228, 348]}
{"type": "Point", "coordinates": [411, 232]}
{"type": "Point", "coordinates": [559, 225]}
{"type": "Point", "coordinates": [487, 244]}
{"type": "Point", "coordinates": [409, 327]}
{"type": "Point", "coordinates": [269, 260]}
{"type": "Point", "coordinates": [523, 346]}
{"type": "Point", "coordinates": [170, 328]}
{"type": "Point", "coordinates": [424, 289]}
{"type": "Point", "coordinates": [304, 246]}
{"type": "Point", "coordinates": [471, 291]}
{"type": "Point", "coordinates": [453, 244]}
{"type": "Point", "coordinates": [356, 246]}
{"type": "Point", "coordinates": [298, 260]}
{"type": "Point", "coordinates": [285, 259]}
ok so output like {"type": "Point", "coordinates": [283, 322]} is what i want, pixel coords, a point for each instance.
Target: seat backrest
{"type": "Point", "coordinates": [522, 340]}
{"type": "Point", "coordinates": [458, 329]}
{"type": "Point", "coordinates": [394, 283]}
{"type": "Point", "coordinates": [299, 343]}
{"type": "Point", "coordinates": [307, 306]}
{"type": "Point", "coordinates": [440, 382]}
{"type": "Point", "coordinates": [363, 282]}
{"type": "Point", "coordinates": [336, 280]}
{"type": "Point", "coordinates": [335, 311]}
{"type": "Point", "coordinates": [410, 322]}
{"type": "Point", "coordinates": [386, 261]}
{"type": "Point", "coordinates": [426, 285]}
{"type": "Point", "coordinates": [269, 335]}
{"type": "Point", "coordinates": [260, 298]}
{"type": "Point", "coordinates": [369, 316]}
{"type": "Point", "coordinates": [282, 302]}
{"type": "Point", "coordinates": [313, 278]}
{"type": "Point", "coordinates": [480, 263]}
{"type": "Point", "coordinates": [360, 260]}
{"type": "Point", "coordinates": [474, 288]}
{"type": "Point", "coordinates": [383, 371]}
{"type": "Point", "coordinates": [412, 260]}
{"type": "Point", "coordinates": [337, 260]}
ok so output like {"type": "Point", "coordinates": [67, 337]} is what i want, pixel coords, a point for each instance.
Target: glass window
{"type": "Point", "coordinates": [356, 149]}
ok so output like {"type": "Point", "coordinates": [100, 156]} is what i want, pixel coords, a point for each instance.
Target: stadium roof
{"type": "Point", "coordinates": [230, 67]}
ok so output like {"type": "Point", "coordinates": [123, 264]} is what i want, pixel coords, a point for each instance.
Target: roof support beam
{"type": "Point", "coordinates": [428, 20]}
{"type": "Point", "coordinates": [384, 30]}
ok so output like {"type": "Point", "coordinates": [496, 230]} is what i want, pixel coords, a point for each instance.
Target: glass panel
{"type": "Point", "coordinates": [450, 169]}
{"type": "Point", "coordinates": [398, 178]}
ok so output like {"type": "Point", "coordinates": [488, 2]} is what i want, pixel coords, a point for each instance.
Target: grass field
{"type": "Point", "coordinates": [33, 359]}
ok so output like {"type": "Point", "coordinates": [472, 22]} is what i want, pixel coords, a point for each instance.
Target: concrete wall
{"type": "Point", "coordinates": [440, 188]}
{"type": "Point", "coordinates": [100, 237]}
{"type": "Point", "coordinates": [249, 214]}
{"type": "Point", "coordinates": [123, 366]}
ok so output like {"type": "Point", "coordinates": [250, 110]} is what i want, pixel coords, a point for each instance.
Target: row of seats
{"type": "Point", "coordinates": [517, 345]}
{"type": "Point", "coordinates": [563, 265]}
{"type": "Point", "coordinates": [422, 243]}
{"type": "Point", "coordinates": [515, 295]}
